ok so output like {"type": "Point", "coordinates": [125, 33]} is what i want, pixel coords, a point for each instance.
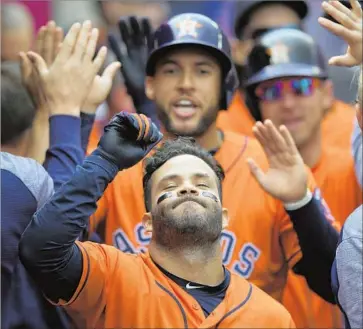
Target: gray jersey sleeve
{"type": "Point", "coordinates": [32, 174]}
{"type": "Point", "coordinates": [349, 265]}
{"type": "Point", "coordinates": [357, 152]}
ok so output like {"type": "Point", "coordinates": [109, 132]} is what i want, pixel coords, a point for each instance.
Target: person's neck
{"type": "Point", "coordinates": [210, 140]}
{"type": "Point", "coordinates": [203, 265]}
{"type": "Point", "coordinates": [311, 151]}
{"type": "Point", "coordinates": [14, 149]}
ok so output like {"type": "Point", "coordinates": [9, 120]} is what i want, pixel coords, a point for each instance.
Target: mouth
{"type": "Point", "coordinates": [184, 109]}
{"type": "Point", "coordinates": [293, 123]}
{"type": "Point", "coordinates": [180, 201]}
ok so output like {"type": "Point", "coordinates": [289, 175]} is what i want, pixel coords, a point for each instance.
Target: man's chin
{"type": "Point", "coordinates": [184, 130]}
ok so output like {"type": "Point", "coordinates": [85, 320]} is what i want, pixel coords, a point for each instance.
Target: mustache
{"type": "Point", "coordinates": [180, 200]}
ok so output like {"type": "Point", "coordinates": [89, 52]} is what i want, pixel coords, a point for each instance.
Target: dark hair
{"type": "Point", "coordinates": [17, 108]}
{"type": "Point", "coordinates": [171, 149]}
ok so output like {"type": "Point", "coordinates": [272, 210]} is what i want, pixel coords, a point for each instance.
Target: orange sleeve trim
{"type": "Point", "coordinates": [82, 281]}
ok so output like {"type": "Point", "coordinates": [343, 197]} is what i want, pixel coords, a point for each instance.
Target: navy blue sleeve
{"type": "Point", "coordinates": [65, 151]}
{"type": "Point", "coordinates": [47, 248]}
{"type": "Point", "coordinates": [318, 241]}
{"type": "Point", "coordinates": [87, 121]}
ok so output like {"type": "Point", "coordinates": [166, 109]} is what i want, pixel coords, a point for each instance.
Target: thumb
{"type": "Point", "coordinates": [256, 172]}
{"type": "Point", "coordinates": [25, 66]}
{"type": "Point", "coordinates": [110, 70]}
{"type": "Point", "coordinates": [344, 60]}
{"type": "Point", "coordinates": [38, 61]}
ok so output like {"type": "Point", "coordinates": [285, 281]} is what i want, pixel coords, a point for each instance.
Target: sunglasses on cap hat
{"type": "Point", "coordinates": [274, 90]}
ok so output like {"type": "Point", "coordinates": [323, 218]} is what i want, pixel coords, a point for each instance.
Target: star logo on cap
{"type": "Point", "coordinates": [188, 27]}
{"type": "Point", "coordinates": [279, 54]}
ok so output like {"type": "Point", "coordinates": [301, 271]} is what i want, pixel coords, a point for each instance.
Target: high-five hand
{"type": "Point", "coordinates": [47, 45]}
{"type": "Point", "coordinates": [128, 138]}
{"type": "Point", "coordinates": [66, 83]}
{"type": "Point", "coordinates": [348, 27]}
{"type": "Point", "coordinates": [286, 178]}
{"type": "Point", "coordinates": [131, 50]}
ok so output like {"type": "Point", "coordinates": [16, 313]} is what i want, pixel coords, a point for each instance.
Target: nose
{"type": "Point", "coordinates": [188, 190]}
{"type": "Point", "coordinates": [186, 81]}
{"type": "Point", "coordinates": [288, 100]}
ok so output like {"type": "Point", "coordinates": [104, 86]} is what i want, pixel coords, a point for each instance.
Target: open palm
{"type": "Point", "coordinates": [100, 88]}
{"type": "Point", "coordinates": [287, 178]}
{"type": "Point", "coordinates": [348, 27]}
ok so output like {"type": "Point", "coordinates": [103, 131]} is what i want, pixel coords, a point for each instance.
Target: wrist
{"type": "Point", "coordinates": [290, 206]}
{"type": "Point", "coordinates": [100, 152]}
{"type": "Point", "coordinates": [89, 109]}
{"type": "Point", "coordinates": [65, 110]}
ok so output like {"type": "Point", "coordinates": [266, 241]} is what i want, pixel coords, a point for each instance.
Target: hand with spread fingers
{"type": "Point", "coordinates": [131, 50]}
{"type": "Point", "coordinates": [100, 88]}
{"type": "Point", "coordinates": [128, 138]}
{"type": "Point", "coordinates": [66, 83]}
{"type": "Point", "coordinates": [348, 27]}
{"type": "Point", "coordinates": [47, 44]}
{"type": "Point", "coordinates": [286, 178]}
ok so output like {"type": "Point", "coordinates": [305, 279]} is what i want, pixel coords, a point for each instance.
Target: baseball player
{"type": "Point", "coordinates": [255, 18]}
{"type": "Point", "coordinates": [190, 78]}
{"type": "Point", "coordinates": [347, 270]}
{"type": "Point", "coordinates": [289, 85]}
{"type": "Point", "coordinates": [181, 282]}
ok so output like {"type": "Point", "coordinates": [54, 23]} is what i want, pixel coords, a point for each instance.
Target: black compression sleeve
{"type": "Point", "coordinates": [318, 241]}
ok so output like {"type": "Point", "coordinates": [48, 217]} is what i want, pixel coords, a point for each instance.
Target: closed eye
{"type": "Point", "coordinates": [170, 187]}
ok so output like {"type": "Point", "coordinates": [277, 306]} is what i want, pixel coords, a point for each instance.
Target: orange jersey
{"type": "Point", "coordinates": [337, 125]}
{"type": "Point", "coordinates": [259, 244]}
{"type": "Point", "coordinates": [237, 118]}
{"type": "Point", "coordinates": [335, 176]}
{"type": "Point", "coordinates": [117, 290]}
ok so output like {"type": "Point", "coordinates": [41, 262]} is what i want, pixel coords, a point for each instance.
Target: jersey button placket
{"type": "Point", "coordinates": [195, 306]}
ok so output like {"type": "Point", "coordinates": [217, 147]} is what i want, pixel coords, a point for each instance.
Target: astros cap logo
{"type": "Point", "coordinates": [188, 27]}
{"type": "Point", "coordinates": [279, 54]}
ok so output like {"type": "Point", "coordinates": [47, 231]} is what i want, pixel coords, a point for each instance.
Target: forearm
{"type": "Point", "coordinates": [87, 121]}
{"type": "Point", "coordinates": [65, 150]}
{"type": "Point", "coordinates": [318, 241]}
{"type": "Point", "coordinates": [39, 137]}
{"type": "Point", "coordinates": [47, 248]}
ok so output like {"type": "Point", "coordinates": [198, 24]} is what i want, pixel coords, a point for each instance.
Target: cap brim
{"type": "Point", "coordinates": [284, 71]}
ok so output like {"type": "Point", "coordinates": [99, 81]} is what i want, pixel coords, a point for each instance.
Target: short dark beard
{"type": "Point", "coordinates": [205, 122]}
{"type": "Point", "coordinates": [190, 230]}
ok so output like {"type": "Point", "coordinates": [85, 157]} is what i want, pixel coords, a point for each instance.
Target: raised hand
{"type": "Point", "coordinates": [66, 83]}
{"type": "Point", "coordinates": [47, 45]}
{"type": "Point", "coordinates": [348, 27]}
{"type": "Point", "coordinates": [286, 178]}
{"type": "Point", "coordinates": [128, 138]}
{"type": "Point", "coordinates": [131, 50]}
{"type": "Point", "coordinates": [100, 88]}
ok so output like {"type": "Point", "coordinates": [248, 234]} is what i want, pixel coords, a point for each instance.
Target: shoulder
{"type": "Point", "coordinates": [243, 146]}
{"type": "Point", "coordinates": [258, 300]}
{"type": "Point", "coordinates": [31, 174]}
{"type": "Point", "coordinates": [353, 225]}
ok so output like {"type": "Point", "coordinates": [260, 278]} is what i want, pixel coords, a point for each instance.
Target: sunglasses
{"type": "Point", "coordinates": [273, 91]}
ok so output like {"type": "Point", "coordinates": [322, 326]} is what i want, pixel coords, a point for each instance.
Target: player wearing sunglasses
{"type": "Point", "coordinates": [288, 84]}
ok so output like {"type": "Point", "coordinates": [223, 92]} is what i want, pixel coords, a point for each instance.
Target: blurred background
{"type": "Point", "coordinates": [21, 19]}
